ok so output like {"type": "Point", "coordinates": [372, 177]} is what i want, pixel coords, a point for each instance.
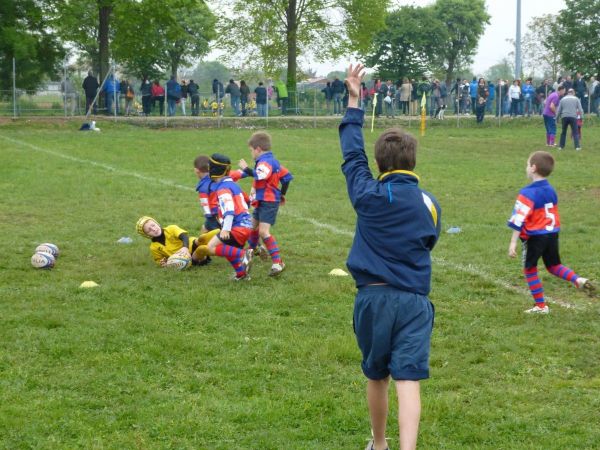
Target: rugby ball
{"type": "Point", "coordinates": [48, 248]}
{"type": "Point", "coordinates": [42, 260]}
{"type": "Point", "coordinates": [178, 261]}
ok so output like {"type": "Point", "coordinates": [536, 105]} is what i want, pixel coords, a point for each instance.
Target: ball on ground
{"type": "Point", "coordinates": [48, 248]}
{"type": "Point", "coordinates": [42, 260]}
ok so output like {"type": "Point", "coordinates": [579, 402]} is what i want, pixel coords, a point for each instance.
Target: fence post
{"type": "Point", "coordinates": [315, 108]}
{"type": "Point", "coordinates": [14, 89]}
{"type": "Point", "coordinates": [64, 86]}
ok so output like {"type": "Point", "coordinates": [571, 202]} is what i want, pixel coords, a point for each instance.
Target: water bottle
{"type": "Point", "coordinates": [125, 240]}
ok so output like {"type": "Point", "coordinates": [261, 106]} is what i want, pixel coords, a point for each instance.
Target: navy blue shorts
{"type": "Point", "coordinates": [266, 212]}
{"type": "Point", "coordinates": [393, 330]}
{"type": "Point", "coordinates": [211, 223]}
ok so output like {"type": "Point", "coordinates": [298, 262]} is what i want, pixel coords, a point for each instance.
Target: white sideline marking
{"type": "Point", "coordinates": [470, 269]}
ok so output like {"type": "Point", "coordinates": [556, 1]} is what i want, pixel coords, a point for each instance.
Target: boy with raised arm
{"type": "Point", "coordinates": [397, 226]}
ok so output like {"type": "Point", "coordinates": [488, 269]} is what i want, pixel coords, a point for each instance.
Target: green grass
{"type": "Point", "coordinates": [154, 359]}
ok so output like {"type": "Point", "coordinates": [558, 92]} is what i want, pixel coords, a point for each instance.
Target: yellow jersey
{"type": "Point", "coordinates": [172, 243]}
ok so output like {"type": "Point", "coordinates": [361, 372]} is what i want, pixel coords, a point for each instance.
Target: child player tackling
{"type": "Point", "coordinates": [536, 222]}
{"type": "Point", "coordinates": [397, 226]}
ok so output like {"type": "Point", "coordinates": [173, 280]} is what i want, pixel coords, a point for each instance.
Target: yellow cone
{"type": "Point", "coordinates": [88, 284]}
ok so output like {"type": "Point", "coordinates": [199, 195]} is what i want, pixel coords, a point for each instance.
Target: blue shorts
{"type": "Point", "coordinates": [266, 212]}
{"type": "Point", "coordinates": [211, 223]}
{"type": "Point", "coordinates": [393, 330]}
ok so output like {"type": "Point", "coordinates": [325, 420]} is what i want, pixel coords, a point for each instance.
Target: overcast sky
{"type": "Point", "coordinates": [492, 46]}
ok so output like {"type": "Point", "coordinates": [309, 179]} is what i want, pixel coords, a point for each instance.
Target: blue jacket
{"type": "Point", "coordinates": [111, 85]}
{"type": "Point", "coordinates": [528, 90]}
{"type": "Point", "coordinates": [492, 91]}
{"type": "Point", "coordinates": [473, 85]}
{"type": "Point", "coordinates": [397, 223]}
{"type": "Point", "coordinates": [173, 90]}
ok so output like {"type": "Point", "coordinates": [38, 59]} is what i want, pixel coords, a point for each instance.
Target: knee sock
{"type": "Point", "coordinates": [273, 249]}
{"type": "Point", "coordinates": [563, 272]}
{"type": "Point", "coordinates": [234, 255]}
{"type": "Point", "coordinates": [535, 286]}
{"type": "Point", "coordinates": [253, 239]}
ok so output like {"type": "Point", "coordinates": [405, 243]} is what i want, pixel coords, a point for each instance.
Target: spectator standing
{"type": "Point", "coordinates": [473, 86]}
{"type": "Point", "coordinates": [568, 83]}
{"type": "Point", "coordinates": [595, 88]}
{"type": "Point", "coordinates": [465, 96]}
{"type": "Point", "coordinates": [568, 110]}
{"type": "Point", "coordinates": [581, 90]}
{"type": "Point", "coordinates": [491, 97]}
{"type": "Point", "coordinates": [194, 94]}
{"type": "Point", "coordinates": [184, 96]}
{"type": "Point", "coordinates": [261, 99]}
{"type": "Point", "coordinates": [455, 94]}
{"type": "Point", "coordinates": [234, 94]}
{"type": "Point", "coordinates": [405, 90]}
{"type": "Point", "coordinates": [146, 91]}
{"type": "Point", "coordinates": [424, 88]}
{"type": "Point", "coordinates": [282, 93]}
{"type": "Point", "coordinates": [515, 96]}
{"type": "Point", "coordinates": [364, 96]}
{"type": "Point", "coordinates": [337, 89]}
{"type": "Point", "coordinates": [482, 96]}
{"type": "Point", "coordinates": [173, 95]}
{"type": "Point", "coordinates": [500, 94]}
{"type": "Point", "coordinates": [90, 88]}
{"type": "Point", "coordinates": [414, 96]}
{"type": "Point", "coordinates": [436, 95]}
{"type": "Point", "coordinates": [528, 93]}
{"type": "Point", "coordinates": [218, 90]}
{"type": "Point", "coordinates": [549, 115]}
{"type": "Point", "coordinates": [390, 93]}
{"type": "Point", "coordinates": [122, 92]}
{"type": "Point", "coordinates": [129, 95]}
{"type": "Point", "coordinates": [328, 93]}
{"type": "Point", "coordinates": [111, 94]}
{"type": "Point", "coordinates": [244, 94]}
{"type": "Point", "coordinates": [158, 95]}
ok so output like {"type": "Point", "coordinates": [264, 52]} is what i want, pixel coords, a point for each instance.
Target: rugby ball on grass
{"type": "Point", "coordinates": [178, 261]}
{"type": "Point", "coordinates": [42, 260]}
{"type": "Point", "coordinates": [48, 248]}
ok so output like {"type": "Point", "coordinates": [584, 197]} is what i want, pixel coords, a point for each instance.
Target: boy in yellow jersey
{"type": "Point", "coordinates": [172, 239]}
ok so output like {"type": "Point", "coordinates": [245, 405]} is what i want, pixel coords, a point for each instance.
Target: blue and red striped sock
{"type": "Point", "coordinates": [563, 272]}
{"type": "Point", "coordinates": [273, 248]}
{"type": "Point", "coordinates": [253, 239]}
{"type": "Point", "coordinates": [234, 255]}
{"type": "Point", "coordinates": [535, 286]}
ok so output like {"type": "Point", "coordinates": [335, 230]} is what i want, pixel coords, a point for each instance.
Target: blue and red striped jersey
{"type": "Point", "coordinates": [207, 197]}
{"type": "Point", "coordinates": [536, 210]}
{"type": "Point", "coordinates": [268, 174]}
{"type": "Point", "coordinates": [231, 202]}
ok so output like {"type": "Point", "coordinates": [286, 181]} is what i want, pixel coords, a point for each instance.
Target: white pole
{"type": "Point", "coordinates": [518, 43]}
{"type": "Point", "coordinates": [65, 86]}
{"type": "Point", "coordinates": [166, 104]}
{"type": "Point", "coordinates": [14, 89]}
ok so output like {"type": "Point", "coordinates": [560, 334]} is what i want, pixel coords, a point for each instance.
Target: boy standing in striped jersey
{"type": "Point", "coordinates": [266, 195]}
{"type": "Point", "coordinates": [535, 220]}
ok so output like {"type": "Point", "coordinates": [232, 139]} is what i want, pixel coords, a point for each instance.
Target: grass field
{"type": "Point", "coordinates": [154, 359]}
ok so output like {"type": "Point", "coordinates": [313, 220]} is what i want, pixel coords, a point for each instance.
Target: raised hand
{"type": "Point", "coordinates": [354, 77]}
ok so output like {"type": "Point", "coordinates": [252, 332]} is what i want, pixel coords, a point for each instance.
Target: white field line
{"type": "Point", "coordinates": [470, 269]}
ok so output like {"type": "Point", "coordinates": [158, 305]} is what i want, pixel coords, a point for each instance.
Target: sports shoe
{"type": "Point", "coordinates": [586, 285]}
{"type": "Point", "coordinates": [537, 310]}
{"type": "Point", "coordinates": [370, 445]}
{"type": "Point", "coordinates": [262, 252]}
{"type": "Point", "coordinates": [578, 149]}
{"type": "Point", "coordinates": [247, 261]}
{"type": "Point", "coordinates": [244, 277]}
{"type": "Point", "coordinates": [276, 269]}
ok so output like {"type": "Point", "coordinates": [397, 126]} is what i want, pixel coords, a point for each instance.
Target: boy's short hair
{"type": "Point", "coordinates": [260, 139]}
{"type": "Point", "coordinates": [202, 163]}
{"type": "Point", "coordinates": [543, 161]}
{"type": "Point", "coordinates": [395, 150]}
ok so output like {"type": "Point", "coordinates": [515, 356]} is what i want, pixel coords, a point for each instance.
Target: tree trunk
{"type": "Point", "coordinates": [105, 12]}
{"type": "Point", "coordinates": [291, 37]}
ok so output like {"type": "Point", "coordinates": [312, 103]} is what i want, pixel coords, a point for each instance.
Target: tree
{"type": "Point", "coordinates": [181, 32]}
{"type": "Point", "coordinates": [24, 36]}
{"type": "Point", "coordinates": [405, 47]}
{"type": "Point", "coordinates": [206, 71]}
{"type": "Point", "coordinates": [308, 27]}
{"type": "Point", "coordinates": [576, 36]}
{"type": "Point", "coordinates": [503, 70]}
{"type": "Point", "coordinates": [464, 23]}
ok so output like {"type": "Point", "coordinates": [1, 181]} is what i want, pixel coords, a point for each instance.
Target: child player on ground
{"type": "Point", "coordinates": [236, 222]}
{"type": "Point", "coordinates": [536, 222]}
{"type": "Point", "coordinates": [172, 239]}
{"type": "Point", "coordinates": [397, 226]}
{"type": "Point", "coordinates": [266, 195]}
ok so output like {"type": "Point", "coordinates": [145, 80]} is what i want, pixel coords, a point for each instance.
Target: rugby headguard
{"type": "Point", "coordinates": [219, 165]}
{"type": "Point", "coordinates": [139, 226]}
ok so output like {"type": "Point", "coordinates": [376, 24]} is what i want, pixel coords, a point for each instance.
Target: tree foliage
{"type": "Point", "coordinates": [576, 36]}
{"type": "Point", "coordinates": [405, 47]}
{"type": "Point", "coordinates": [24, 36]}
{"type": "Point", "coordinates": [464, 22]}
{"type": "Point", "coordinates": [277, 32]}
